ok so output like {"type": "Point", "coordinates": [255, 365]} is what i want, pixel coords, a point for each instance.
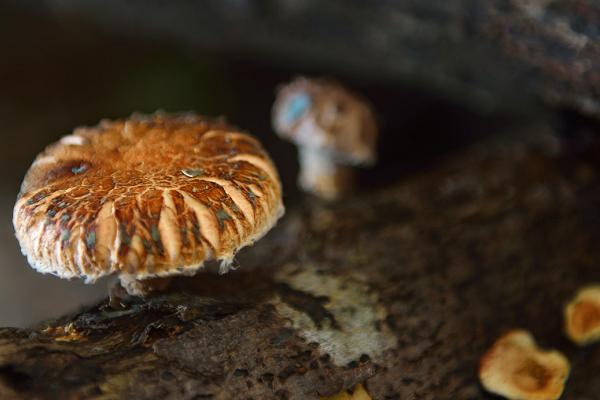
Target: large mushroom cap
{"type": "Point", "coordinates": [322, 115]}
{"type": "Point", "coordinates": [146, 196]}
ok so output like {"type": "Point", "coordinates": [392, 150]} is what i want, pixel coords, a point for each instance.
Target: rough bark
{"type": "Point", "coordinates": [490, 54]}
{"type": "Point", "coordinates": [402, 288]}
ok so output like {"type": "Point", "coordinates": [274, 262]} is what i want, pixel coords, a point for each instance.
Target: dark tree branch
{"type": "Point", "coordinates": [403, 289]}
{"type": "Point", "coordinates": [486, 53]}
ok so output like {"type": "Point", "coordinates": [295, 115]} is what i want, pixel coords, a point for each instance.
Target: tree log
{"type": "Point", "coordinates": [402, 289]}
{"type": "Point", "coordinates": [485, 53]}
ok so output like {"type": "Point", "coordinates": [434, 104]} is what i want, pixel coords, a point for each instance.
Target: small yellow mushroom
{"type": "Point", "coordinates": [516, 368]}
{"type": "Point", "coordinates": [582, 316]}
{"type": "Point", "coordinates": [359, 393]}
{"type": "Point", "coordinates": [67, 333]}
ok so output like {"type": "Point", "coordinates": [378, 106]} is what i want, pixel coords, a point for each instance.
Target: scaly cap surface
{"type": "Point", "coordinates": [146, 196]}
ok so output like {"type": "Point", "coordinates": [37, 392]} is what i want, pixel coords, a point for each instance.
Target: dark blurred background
{"type": "Point", "coordinates": [438, 74]}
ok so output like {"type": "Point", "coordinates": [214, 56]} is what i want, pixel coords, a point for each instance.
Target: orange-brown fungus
{"type": "Point", "coordinates": [582, 316]}
{"type": "Point", "coordinates": [67, 333]}
{"type": "Point", "coordinates": [143, 197]}
{"type": "Point", "coordinates": [517, 369]}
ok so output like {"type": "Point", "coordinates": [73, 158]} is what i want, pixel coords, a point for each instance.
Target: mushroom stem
{"type": "Point", "coordinates": [322, 175]}
{"type": "Point", "coordinates": [143, 287]}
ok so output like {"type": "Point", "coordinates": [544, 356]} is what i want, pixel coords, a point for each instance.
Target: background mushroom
{"type": "Point", "coordinates": [333, 128]}
{"type": "Point", "coordinates": [146, 197]}
{"type": "Point", "coordinates": [517, 369]}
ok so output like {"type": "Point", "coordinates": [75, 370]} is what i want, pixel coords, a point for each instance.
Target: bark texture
{"type": "Point", "coordinates": [402, 289]}
{"type": "Point", "coordinates": [487, 53]}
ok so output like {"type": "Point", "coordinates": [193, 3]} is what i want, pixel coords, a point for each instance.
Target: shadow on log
{"type": "Point", "coordinates": [401, 289]}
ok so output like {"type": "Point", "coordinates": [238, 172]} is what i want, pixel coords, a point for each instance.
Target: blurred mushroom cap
{"type": "Point", "coordinates": [517, 369]}
{"type": "Point", "coordinates": [147, 196]}
{"type": "Point", "coordinates": [322, 115]}
{"type": "Point", "coordinates": [582, 316]}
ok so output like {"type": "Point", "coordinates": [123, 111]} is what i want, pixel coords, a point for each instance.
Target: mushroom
{"type": "Point", "coordinates": [334, 129]}
{"type": "Point", "coordinates": [517, 369]}
{"type": "Point", "coordinates": [582, 316]}
{"type": "Point", "coordinates": [358, 393]}
{"type": "Point", "coordinates": [146, 197]}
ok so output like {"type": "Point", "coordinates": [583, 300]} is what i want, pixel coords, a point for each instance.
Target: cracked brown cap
{"type": "Point", "coordinates": [516, 368]}
{"type": "Point", "coordinates": [322, 115]}
{"type": "Point", "coordinates": [147, 196]}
